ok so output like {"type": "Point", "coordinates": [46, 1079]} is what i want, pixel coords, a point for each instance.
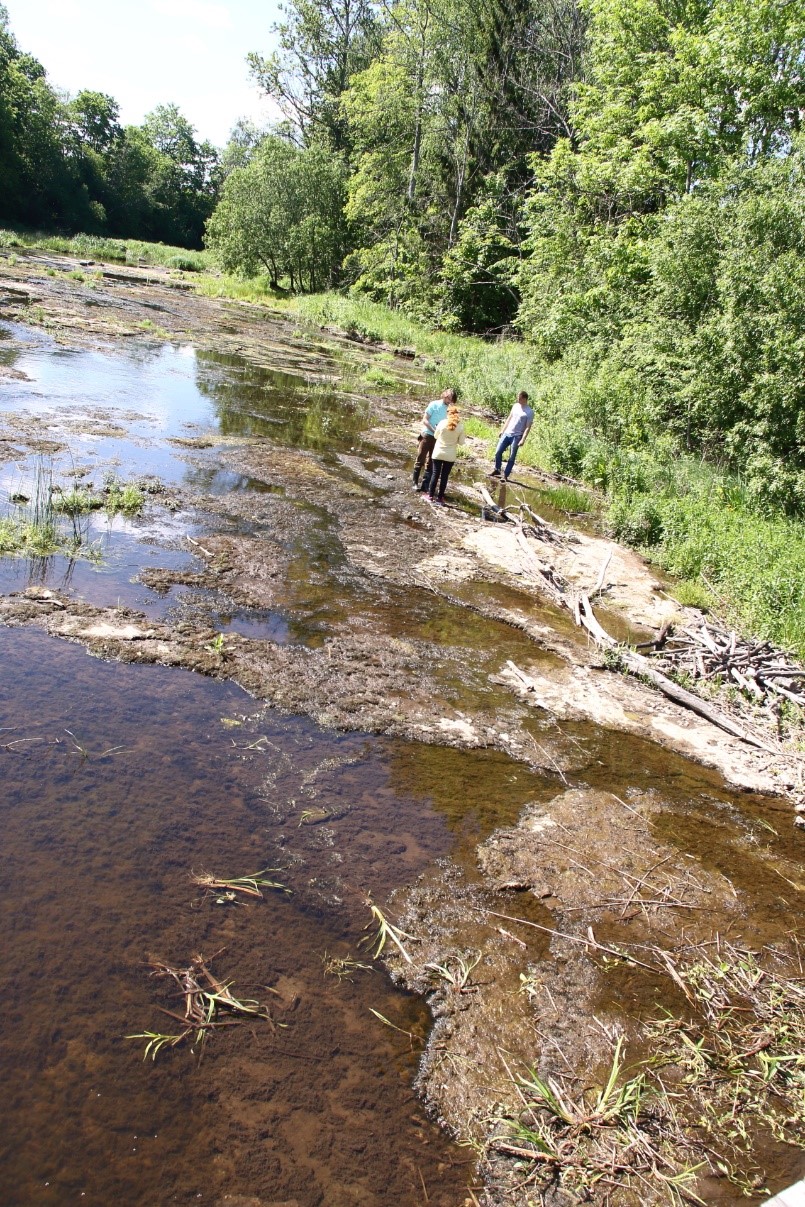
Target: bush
{"type": "Point", "coordinates": [636, 520]}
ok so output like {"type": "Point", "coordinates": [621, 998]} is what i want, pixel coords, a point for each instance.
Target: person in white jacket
{"type": "Point", "coordinates": [449, 435]}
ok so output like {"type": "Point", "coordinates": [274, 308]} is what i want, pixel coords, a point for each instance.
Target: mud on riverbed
{"type": "Point", "coordinates": [282, 549]}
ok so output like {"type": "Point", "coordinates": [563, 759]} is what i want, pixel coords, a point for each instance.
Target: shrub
{"type": "Point", "coordinates": [636, 520]}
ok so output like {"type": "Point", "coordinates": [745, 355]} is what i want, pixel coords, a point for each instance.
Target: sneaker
{"type": "Point", "coordinates": [415, 486]}
{"type": "Point", "coordinates": [495, 473]}
{"type": "Point", "coordinates": [439, 502]}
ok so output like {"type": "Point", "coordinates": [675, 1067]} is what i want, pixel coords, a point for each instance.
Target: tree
{"type": "Point", "coordinates": [94, 120]}
{"type": "Point", "coordinates": [244, 139]}
{"type": "Point", "coordinates": [322, 43]}
{"type": "Point", "coordinates": [479, 272]}
{"type": "Point", "coordinates": [665, 238]}
{"type": "Point", "coordinates": [184, 179]}
{"type": "Point", "coordinates": [283, 214]}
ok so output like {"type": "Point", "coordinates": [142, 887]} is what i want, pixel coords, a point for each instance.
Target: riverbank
{"type": "Point", "coordinates": [281, 548]}
{"type": "Point", "coordinates": [685, 515]}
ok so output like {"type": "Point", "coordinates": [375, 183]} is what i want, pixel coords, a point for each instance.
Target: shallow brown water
{"type": "Point", "coordinates": [98, 847]}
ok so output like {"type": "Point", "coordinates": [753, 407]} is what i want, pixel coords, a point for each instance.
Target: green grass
{"type": "Point", "coordinates": [486, 375]}
{"type": "Point", "coordinates": [255, 289]}
{"type": "Point", "coordinates": [98, 247]}
{"type": "Point", "coordinates": [54, 520]}
{"type": "Point", "coordinates": [481, 430]}
{"type": "Point", "coordinates": [568, 499]}
{"type": "Point", "coordinates": [375, 376]}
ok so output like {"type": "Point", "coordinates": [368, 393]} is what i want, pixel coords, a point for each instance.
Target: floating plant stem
{"type": "Point", "coordinates": [205, 999]}
{"type": "Point", "coordinates": [250, 886]}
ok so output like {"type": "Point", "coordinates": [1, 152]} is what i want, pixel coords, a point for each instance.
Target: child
{"type": "Point", "coordinates": [449, 434]}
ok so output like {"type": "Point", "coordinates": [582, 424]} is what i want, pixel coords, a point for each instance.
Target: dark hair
{"type": "Point", "coordinates": [451, 395]}
{"type": "Point", "coordinates": [523, 394]}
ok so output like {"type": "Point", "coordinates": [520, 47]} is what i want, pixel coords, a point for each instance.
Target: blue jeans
{"type": "Point", "coordinates": [503, 444]}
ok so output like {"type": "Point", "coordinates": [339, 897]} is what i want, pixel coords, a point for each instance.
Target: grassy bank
{"type": "Point", "coordinates": [691, 518]}
{"type": "Point", "coordinates": [99, 247]}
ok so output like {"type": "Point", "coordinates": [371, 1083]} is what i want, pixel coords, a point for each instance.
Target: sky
{"type": "Point", "coordinates": [151, 52]}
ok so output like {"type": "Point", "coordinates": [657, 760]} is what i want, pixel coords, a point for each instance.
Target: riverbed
{"type": "Point", "coordinates": [296, 665]}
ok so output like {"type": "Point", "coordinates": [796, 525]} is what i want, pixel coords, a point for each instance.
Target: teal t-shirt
{"type": "Point", "coordinates": [435, 412]}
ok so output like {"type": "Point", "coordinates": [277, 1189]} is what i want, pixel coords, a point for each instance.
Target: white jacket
{"type": "Point", "coordinates": [447, 442]}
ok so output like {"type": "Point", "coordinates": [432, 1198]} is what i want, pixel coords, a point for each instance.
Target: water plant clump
{"type": "Point", "coordinates": [248, 886]}
{"type": "Point", "coordinates": [123, 497]}
{"type": "Point", "coordinates": [45, 518]}
{"type": "Point", "coordinates": [621, 1134]}
{"type": "Point", "coordinates": [76, 502]}
{"type": "Point", "coordinates": [209, 1004]}
{"type": "Point", "coordinates": [739, 1059]}
{"type": "Point", "coordinates": [719, 1082]}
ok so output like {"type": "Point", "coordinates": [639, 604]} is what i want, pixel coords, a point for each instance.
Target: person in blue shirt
{"type": "Point", "coordinates": [513, 435]}
{"type": "Point", "coordinates": [435, 412]}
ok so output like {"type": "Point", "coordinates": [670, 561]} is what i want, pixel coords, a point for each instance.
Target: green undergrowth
{"type": "Point", "coordinates": [97, 247]}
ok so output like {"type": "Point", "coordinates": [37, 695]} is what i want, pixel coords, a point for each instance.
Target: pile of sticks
{"type": "Point", "coordinates": [722, 656]}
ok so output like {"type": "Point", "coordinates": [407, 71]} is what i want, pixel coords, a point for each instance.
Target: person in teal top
{"type": "Point", "coordinates": [435, 412]}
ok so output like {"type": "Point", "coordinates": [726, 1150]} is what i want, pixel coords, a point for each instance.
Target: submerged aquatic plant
{"type": "Point", "coordinates": [208, 1004]}
{"type": "Point", "coordinates": [343, 966]}
{"type": "Point", "coordinates": [311, 817]}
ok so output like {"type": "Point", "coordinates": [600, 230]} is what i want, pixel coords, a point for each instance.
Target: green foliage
{"type": "Point", "coordinates": [666, 245]}
{"type": "Point", "coordinates": [479, 271]}
{"type": "Point", "coordinates": [68, 163]}
{"type": "Point", "coordinates": [282, 214]}
{"type": "Point", "coordinates": [320, 46]}
{"type": "Point", "coordinates": [636, 521]}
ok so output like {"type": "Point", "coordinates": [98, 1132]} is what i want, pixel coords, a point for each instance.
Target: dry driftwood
{"type": "Point", "coordinates": [711, 653]}
{"type": "Point", "coordinates": [639, 665]}
{"type": "Point", "coordinates": [582, 610]}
